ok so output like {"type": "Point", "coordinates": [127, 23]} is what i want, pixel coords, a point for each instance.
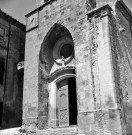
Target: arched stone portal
{"type": "Point", "coordinates": [63, 100]}
{"type": "Point", "coordinates": [56, 59]}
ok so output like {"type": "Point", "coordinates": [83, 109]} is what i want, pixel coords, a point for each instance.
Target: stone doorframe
{"type": "Point", "coordinates": [52, 99]}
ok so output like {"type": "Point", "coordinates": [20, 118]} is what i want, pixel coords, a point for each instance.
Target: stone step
{"type": "Point", "coordinates": [11, 131]}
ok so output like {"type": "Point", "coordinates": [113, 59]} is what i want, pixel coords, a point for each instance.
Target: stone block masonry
{"type": "Point", "coordinates": [96, 67]}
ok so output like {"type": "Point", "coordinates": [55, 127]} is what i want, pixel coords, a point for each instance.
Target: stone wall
{"type": "Point", "coordinates": [95, 36]}
{"type": "Point", "coordinates": [124, 64]}
{"type": "Point", "coordinates": [70, 14]}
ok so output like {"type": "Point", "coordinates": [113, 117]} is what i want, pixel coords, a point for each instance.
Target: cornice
{"type": "Point", "coordinates": [124, 10]}
{"type": "Point", "coordinates": [101, 11]}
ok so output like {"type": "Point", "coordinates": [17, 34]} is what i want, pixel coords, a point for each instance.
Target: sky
{"type": "Point", "coordinates": [19, 8]}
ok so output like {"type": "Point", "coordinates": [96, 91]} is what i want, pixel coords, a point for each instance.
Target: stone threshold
{"type": "Point", "coordinates": [10, 131]}
{"type": "Point", "coordinates": [60, 130]}
{"type": "Point", "coordinates": [72, 130]}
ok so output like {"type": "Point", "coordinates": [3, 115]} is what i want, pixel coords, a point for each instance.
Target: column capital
{"type": "Point", "coordinates": [99, 12]}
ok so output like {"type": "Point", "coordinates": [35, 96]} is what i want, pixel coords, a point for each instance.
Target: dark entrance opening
{"type": "Point", "coordinates": [72, 101]}
{"type": "Point", "coordinates": [2, 64]}
{"type": "Point", "coordinates": [1, 112]}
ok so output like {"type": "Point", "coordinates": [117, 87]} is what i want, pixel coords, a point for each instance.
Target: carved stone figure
{"type": "Point", "coordinates": [62, 61]}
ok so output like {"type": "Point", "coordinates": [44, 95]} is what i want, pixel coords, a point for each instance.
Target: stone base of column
{"type": "Point", "coordinates": [100, 122]}
{"type": "Point", "coordinates": [43, 122]}
{"type": "Point", "coordinates": [29, 125]}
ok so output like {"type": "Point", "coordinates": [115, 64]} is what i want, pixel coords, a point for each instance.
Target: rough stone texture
{"type": "Point", "coordinates": [100, 75]}
{"type": "Point", "coordinates": [123, 58]}
{"type": "Point", "coordinates": [11, 91]}
{"type": "Point", "coordinates": [105, 107]}
{"type": "Point", "coordinates": [61, 13]}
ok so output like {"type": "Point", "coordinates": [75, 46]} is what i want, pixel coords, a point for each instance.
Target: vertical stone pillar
{"type": "Point", "coordinates": [84, 82]}
{"type": "Point", "coordinates": [103, 116]}
{"type": "Point", "coordinates": [110, 113]}
{"type": "Point", "coordinates": [43, 100]}
{"type": "Point", "coordinates": [30, 91]}
{"type": "Point", "coordinates": [52, 104]}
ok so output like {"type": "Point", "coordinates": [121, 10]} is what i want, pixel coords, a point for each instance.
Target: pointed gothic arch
{"type": "Point", "coordinates": [57, 43]}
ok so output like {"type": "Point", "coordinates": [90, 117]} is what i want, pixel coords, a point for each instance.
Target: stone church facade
{"type": "Point", "coordinates": [78, 68]}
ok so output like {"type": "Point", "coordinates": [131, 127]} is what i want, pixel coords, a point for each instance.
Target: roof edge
{"type": "Point", "coordinates": [125, 8]}
{"type": "Point", "coordinates": [39, 8]}
{"type": "Point", "coordinates": [12, 20]}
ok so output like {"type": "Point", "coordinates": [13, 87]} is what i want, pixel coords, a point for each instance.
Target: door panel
{"type": "Point", "coordinates": [63, 103]}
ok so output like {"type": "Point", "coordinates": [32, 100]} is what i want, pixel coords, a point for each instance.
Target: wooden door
{"type": "Point", "coordinates": [63, 103]}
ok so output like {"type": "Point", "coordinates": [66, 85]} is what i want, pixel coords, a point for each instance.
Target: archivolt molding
{"type": "Point", "coordinates": [60, 72]}
{"type": "Point", "coordinates": [63, 23]}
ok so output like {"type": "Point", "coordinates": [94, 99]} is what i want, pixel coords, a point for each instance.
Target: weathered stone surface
{"type": "Point", "coordinates": [101, 63]}
{"type": "Point", "coordinates": [124, 66]}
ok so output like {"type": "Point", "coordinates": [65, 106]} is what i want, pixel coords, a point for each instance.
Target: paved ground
{"type": "Point", "coordinates": [11, 131]}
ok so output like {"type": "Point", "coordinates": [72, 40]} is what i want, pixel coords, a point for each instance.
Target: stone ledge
{"type": "Point", "coordinates": [99, 10]}
{"type": "Point", "coordinates": [73, 130]}
{"type": "Point", "coordinates": [11, 131]}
